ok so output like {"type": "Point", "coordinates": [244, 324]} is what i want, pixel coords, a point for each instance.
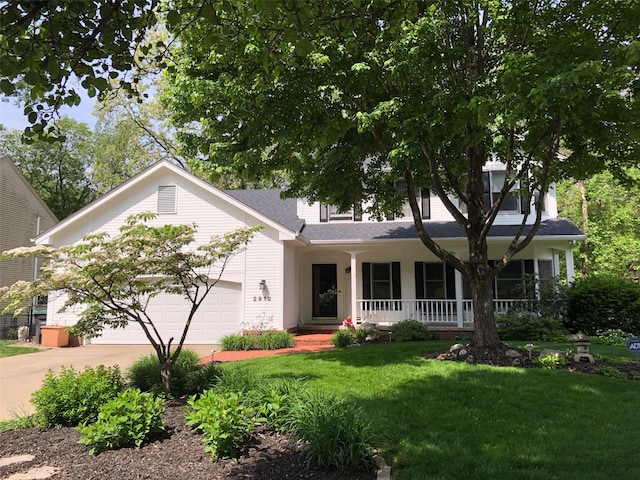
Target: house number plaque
{"type": "Point", "coordinates": [262, 299]}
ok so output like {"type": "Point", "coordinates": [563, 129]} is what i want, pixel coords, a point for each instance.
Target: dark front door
{"type": "Point", "coordinates": [325, 291]}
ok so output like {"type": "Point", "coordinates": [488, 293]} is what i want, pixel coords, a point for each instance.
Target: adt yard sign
{"type": "Point", "coordinates": [633, 345]}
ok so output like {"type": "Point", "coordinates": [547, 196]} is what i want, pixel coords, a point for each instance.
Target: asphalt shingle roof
{"type": "Point", "coordinates": [284, 211]}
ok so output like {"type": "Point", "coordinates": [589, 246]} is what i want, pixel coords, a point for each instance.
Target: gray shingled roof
{"type": "Point", "coordinates": [271, 205]}
{"type": "Point", "coordinates": [284, 212]}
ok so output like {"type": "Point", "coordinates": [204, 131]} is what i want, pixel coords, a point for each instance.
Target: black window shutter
{"type": "Point", "coordinates": [529, 269]}
{"type": "Point", "coordinates": [450, 281]}
{"type": "Point", "coordinates": [395, 281]}
{"type": "Point", "coordinates": [487, 198]}
{"type": "Point", "coordinates": [357, 213]}
{"type": "Point", "coordinates": [366, 281]}
{"type": "Point", "coordinates": [324, 213]}
{"type": "Point", "coordinates": [419, 267]}
{"type": "Point", "coordinates": [425, 197]}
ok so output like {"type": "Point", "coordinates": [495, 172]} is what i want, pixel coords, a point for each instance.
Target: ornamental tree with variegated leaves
{"type": "Point", "coordinates": [114, 278]}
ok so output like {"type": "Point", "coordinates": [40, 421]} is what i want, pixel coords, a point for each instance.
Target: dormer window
{"type": "Point", "coordinates": [167, 199]}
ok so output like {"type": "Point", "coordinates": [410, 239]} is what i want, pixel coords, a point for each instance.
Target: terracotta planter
{"type": "Point", "coordinates": [54, 336]}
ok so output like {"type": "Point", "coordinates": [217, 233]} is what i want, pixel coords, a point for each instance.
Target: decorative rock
{"type": "Point", "coordinates": [516, 362]}
{"type": "Point", "coordinates": [456, 348]}
{"type": "Point", "coordinates": [513, 353]}
{"type": "Point", "coordinates": [462, 353]}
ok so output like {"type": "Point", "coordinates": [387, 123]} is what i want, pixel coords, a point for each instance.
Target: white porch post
{"type": "Point", "coordinates": [459, 295]}
{"type": "Point", "coordinates": [568, 253]}
{"type": "Point", "coordinates": [354, 289]}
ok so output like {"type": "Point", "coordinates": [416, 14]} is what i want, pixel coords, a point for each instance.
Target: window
{"type": "Point", "coordinates": [435, 281]}
{"type": "Point", "coordinates": [424, 201]}
{"type": "Point", "coordinates": [493, 182]}
{"type": "Point", "coordinates": [510, 282]}
{"type": "Point", "coordinates": [167, 198]}
{"type": "Point", "coordinates": [332, 213]}
{"type": "Point", "coordinates": [381, 281]}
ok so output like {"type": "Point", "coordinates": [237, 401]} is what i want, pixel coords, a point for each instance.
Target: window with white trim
{"type": "Point", "coordinates": [435, 281]}
{"type": "Point", "coordinates": [381, 281]}
{"type": "Point", "coordinates": [332, 213]}
{"type": "Point", "coordinates": [424, 200]}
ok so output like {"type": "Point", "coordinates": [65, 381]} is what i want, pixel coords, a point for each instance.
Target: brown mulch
{"type": "Point", "coordinates": [497, 356]}
{"type": "Point", "coordinates": [179, 455]}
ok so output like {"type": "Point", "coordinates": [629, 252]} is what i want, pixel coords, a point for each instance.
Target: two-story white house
{"type": "Point", "coordinates": [313, 266]}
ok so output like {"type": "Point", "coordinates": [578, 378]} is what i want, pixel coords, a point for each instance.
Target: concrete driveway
{"type": "Point", "coordinates": [21, 375]}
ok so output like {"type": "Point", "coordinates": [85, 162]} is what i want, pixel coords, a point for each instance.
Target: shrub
{"type": "Point", "coordinates": [145, 373]}
{"type": "Point", "coordinates": [130, 419]}
{"type": "Point", "coordinates": [602, 303]}
{"type": "Point", "coordinates": [360, 335]}
{"type": "Point", "coordinates": [275, 340]}
{"type": "Point", "coordinates": [410, 330]}
{"type": "Point", "coordinates": [527, 326]}
{"type": "Point", "coordinates": [551, 361]}
{"type": "Point", "coordinates": [612, 336]}
{"type": "Point", "coordinates": [237, 342]}
{"type": "Point", "coordinates": [342, 338]}
{"type": "Point", "coordinates": [75, 397]}
{"type": "Point", "coordinates": [334, 430]}
{"type": "Point", "coordinates": [275, 400]}
{"type": "Point", "coordinates": [225, 422]}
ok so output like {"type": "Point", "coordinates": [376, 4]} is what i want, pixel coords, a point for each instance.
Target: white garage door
{"type": "Point", "coordinates": [219, 315]}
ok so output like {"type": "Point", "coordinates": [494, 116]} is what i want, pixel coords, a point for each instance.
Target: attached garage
{"type": "Point", "coordinates": [219, 315]}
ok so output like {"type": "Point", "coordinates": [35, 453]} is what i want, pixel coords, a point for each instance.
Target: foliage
{"type": "Point", "coordinates": [61, 172]}
{"type": "Point", "coordinates": [73, 397]}
{"type": "Point", "coordinates": [602, 303]}
{"type": "Point", "coordinates": [145, 373]}
{"type": "Point", "coordinates": [114, 278]}
{"type": "Point", "coordinates": [546, 297]}
{"type": "Point", "coordinates": [223, 420]}
{"type": "Point", "coordinates": [334, 429]}
{"type": "Point", "coordinates": [19, 420]}
{"type": "Point", "coordinates": [527, 326]}
{"type": "Point", "coordinates": [611, 336]}
{"type": "Point", "coordinates": [342, 338]}
{"type": "Point", "coordinates": [551, 361]}
{"type": "Point", "coordinates": [130, 419]}
{"type": "Point", "coordinates": [608, 215]}
{"type": "Point", "coordinates": [409, 331]}
{"type": "Point", "coordinates": [608, 371]}
{"type": "Point", "coordinates": [268, 340]}
{"type": "Point", "coordinates": [202, 378]}
{"type": "Point", "coordinates": [427, 93]}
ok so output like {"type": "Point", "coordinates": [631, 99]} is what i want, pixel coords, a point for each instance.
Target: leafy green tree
{"type": "Point", "coordinates": [114, 278]}
{"type": "Point", "coordinates": [608, 214]}
{"type": "Point", "coordinates": [62, 171]}
{"type": "Point", "coordinates": [348, 97]}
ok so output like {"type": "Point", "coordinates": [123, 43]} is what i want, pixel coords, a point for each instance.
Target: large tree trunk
{"type": "Point", "coordinates": [486, 332]}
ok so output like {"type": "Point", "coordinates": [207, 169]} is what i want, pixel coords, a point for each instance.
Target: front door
{"type": "Point", "coordinates": [325, 291]}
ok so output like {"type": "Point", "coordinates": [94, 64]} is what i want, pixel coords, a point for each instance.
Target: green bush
{"type": "Point", "coordinates": [75, 397]}
{"type": "Point", "coordinates": [612, 336]}
{"type": "Point", "coordinates": [410, 330]}
{"type": "Point", "coordinates": [551, 361]}
{"type": "Point", "coordinates": [145, 373]}
{"type": "Point", "coordinates": [130, 419]}
{"type": "Point", "coordinates": [527, 326]}
{"type": "Point", "coordinates": [342, 338]}
{"type": "Point", "coordinates": [333, 429]}
{"type": "Point", "coordinates": [275, 399]}
{"type": "Point", "coordinates": [238, 342]}
{"type": "Point", "coordinates": [602, 303]}
{"type": "Point", "coordinates": [223, 419]}
{"type": "Point", "coordinates": [204, 377]}
{"type": "Point", "coordinates": [275, 340]}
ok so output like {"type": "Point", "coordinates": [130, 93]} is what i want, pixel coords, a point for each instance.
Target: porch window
{"type": "Point", "coordinates": [381, 281]}
{"type": "Point", "coordinates": [511, 281]}
{"type": "Point", "coordinates": [435, 281]}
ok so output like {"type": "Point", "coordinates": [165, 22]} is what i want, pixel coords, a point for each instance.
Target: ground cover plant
{"type": "Point", "coordinates": [9, 348]}
{"type": "Point", "coordinates": [445, 420]}
{"type": "Point", "coordinates": [261, 340]}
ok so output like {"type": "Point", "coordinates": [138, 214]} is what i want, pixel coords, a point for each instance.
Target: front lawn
{"type": "Point", "coordinates": [9, 348]}
{"type": "Point", "coordinates": [448, 420]}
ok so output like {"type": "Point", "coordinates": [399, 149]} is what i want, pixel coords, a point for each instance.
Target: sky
{"type": "Point", "coordinates": [11, 115]}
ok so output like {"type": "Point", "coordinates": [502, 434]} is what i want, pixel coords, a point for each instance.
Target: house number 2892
{"type": "Point", "coordinates": [262, 299]}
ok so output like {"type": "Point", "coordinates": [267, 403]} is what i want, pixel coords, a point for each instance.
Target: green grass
{"type": "Point", "coordinates": [444, 420]}
{"type": "Point", "coordinates": [8, 348]}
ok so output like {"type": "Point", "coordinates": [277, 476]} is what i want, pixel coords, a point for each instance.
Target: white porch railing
{"type": "Point", "coordinates": [452, 313]}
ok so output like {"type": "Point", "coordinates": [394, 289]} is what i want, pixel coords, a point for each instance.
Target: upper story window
{"type": "Point", "coordinates": [332, 213]}
{"type": "Point", "coordinates": [167, 198]}
{"type": "Point", "coordinates": [424, 201]}
{"type": "Point", "coordinates": [493, 182]}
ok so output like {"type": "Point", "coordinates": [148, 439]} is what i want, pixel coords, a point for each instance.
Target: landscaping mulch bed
{"type": "Point", "coordinates": [498, 356]}
{"type": "Point", "coordinates": [179, 456]}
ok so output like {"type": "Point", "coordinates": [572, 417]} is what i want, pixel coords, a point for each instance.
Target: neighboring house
{"type": "Point", "coordinates": [311, 265]}
{"type": "Point", "coordinates": [23, 216]}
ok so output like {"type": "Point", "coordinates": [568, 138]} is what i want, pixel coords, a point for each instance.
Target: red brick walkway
{"type": "Point", "coordinates": [305, 343]}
